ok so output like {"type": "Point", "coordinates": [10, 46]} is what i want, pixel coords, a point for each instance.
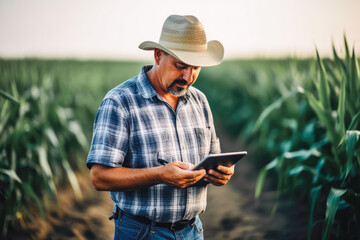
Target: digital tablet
{"type": "Point", "coordinates": [211, 161]}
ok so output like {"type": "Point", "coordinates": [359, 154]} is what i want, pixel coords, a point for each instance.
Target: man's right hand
{"type": "Point", "coordinates": [179, 174]}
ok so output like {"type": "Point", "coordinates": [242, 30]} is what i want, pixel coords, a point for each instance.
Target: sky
{"type": "Point", "coordinates": [113, 29]}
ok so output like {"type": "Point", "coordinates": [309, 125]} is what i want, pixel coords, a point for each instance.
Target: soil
{"type": "Point", "coordinates": [232, 212]}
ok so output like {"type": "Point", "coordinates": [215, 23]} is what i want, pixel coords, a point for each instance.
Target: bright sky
{"type": "Point", "coordinates": [115, 28]}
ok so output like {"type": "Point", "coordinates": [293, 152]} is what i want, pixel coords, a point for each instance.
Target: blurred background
{"type": "Point", "coordinates": [287, 92]}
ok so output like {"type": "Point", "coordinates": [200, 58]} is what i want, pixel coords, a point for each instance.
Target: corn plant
{"type": "Point", "coordinates": [329, 167]}
{"type": "Point", "coordinates": [46, 109]}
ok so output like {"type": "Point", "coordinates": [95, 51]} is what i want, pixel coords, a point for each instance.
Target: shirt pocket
{"type": "Point", "coordinates": [203, 139]}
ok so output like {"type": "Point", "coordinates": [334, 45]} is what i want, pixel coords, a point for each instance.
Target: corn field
{"type": "Point", "coordinates": [47, 111]}
{"type": "Point", "coordinates": [302, 114]}
{"type": "Point", "coordinates": [319, 148]}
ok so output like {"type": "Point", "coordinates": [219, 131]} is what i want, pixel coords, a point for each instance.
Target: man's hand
{"type": "Point", "coordinates": [179, 174]}
{"type": "Point", "coordinates": [220, 176]}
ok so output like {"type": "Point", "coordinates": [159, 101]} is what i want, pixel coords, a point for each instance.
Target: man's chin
{"type": "Point", "coordinates": [179, 92]}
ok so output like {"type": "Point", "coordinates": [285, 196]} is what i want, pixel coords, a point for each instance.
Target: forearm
{"type": "Point", "coordinates": [106, 178]}
{"type": "Point", "coordinates": [175, 174]}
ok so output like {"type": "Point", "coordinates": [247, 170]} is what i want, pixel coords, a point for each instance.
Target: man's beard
{"type": "Point", "coordinates": [178, 91]}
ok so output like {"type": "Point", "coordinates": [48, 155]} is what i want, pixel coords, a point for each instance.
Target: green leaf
{"type": "Point", "coordinates": [28, 189]}
{"type": "Point", "coordinates": [44, 163]}
{"type": "Point", "coordinates": [347, 51]}
{"type": "Point", "coordinates": [8, 97]}
{"type": "Point", "coordinates": [314, 196]}
{"type": "Point", "coordinates": [11, 173]}
{"type": "Point", "coordinates": [52, 137]}
{"type": "Point", "coordinates": [76, 129]}
{"type": "Point", "coordinates": [352, 138]}
{"type": "Point", "coordinates": [303, 154]}
{"type": "Point", "coordinates": [274, 106]}
{"type": "Point", "coordinates": [262, 175]}
{"type": "Point", "coordinates": [341, 107]}
{"type": "Point", "coordinates": [341, 63]}
{"type": "Point", "coordinates": [72, 179]}
{"type": "Point", "coordinates": [332, 204]}
{"type": "Point", "coordinates": [354, 81]}
{"type": "Point", "coordinates": [355, 121]}
{"type": "Point", "coordinates": [323, 87]}
{"type": "Point", "coordinates": [301, 168]}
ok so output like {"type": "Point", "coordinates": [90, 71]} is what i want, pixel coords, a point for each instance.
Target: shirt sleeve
{"type": "Point", "coordinates": [110, 135]}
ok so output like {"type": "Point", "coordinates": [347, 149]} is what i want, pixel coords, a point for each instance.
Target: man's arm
{"type": "Point", "coordinates": [175, 174]}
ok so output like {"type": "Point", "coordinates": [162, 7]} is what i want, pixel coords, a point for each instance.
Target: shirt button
{"type": "Point", "coordinates": [189, 191]}
{"type": "Point", "coordinates": [182, 147]}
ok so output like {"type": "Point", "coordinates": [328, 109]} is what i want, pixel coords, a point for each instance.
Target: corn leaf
{"type": "Point", "coordinates": [341, 107]}
{"type": "Point", "coordinates": [323, 87]}
{"type": "Point", "coordinates": [8, 96]}
{"type": "Point", "coordinates": [355, 121]}
{"type": "Point", "coordinates": [303, 154]}
{"type": "Point", "coordinates": [28, 189]}
{"type": "Point", "coordinates": [76, 129]}
{"type": "Point", "coordinates": [262, 175]}
{"type": "Point", "coordinates": [332, 204]}
{"type": "Point", "coordinates": [352, 138]}
{"type": "Point", "coordinates": [353, 125]}
{"type": "Point", "coordinates": [43, 160]}
{"type": "Point", "coordinates": [347, 51]}
{"type": "Point", "coordinates": [11, 173]}
{"type": "Point", "coordinates": [341, 63]}
{"type": "Point", "coordinates": [72, 179]}
{"type": "Point", "coordinates": [274, 106]}
{"type": "Point", "coordinates": [354, 81]}
{"type": "Point", "coordinates": [314, 196]}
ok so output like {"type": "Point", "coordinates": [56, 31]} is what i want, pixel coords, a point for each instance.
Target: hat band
{"type": "Point", "coordinates": [184, 47]}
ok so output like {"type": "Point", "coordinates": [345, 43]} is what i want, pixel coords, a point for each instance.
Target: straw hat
{"type": "Point", "coordinates": [184, 38]}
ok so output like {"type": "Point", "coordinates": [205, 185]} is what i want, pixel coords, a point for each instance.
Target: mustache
{"type": "Point", "coordinates": [180, 81]}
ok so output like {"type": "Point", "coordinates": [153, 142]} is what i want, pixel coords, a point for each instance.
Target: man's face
{"type": "Point", "coordinates": [175, 76]}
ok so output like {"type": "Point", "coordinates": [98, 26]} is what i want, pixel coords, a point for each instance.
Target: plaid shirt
{"type": "Point", "coordinates": [136, 128]}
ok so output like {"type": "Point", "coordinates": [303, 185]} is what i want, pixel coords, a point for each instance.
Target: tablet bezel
{"type": "Point", "coordinates": [211, 161]}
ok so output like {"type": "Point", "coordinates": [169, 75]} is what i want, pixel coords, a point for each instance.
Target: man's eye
{"type": "Point", "coordinates": [181, 67]}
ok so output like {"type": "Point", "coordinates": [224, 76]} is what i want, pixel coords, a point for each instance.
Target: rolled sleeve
{"type": "Point", "coordinates": [110, 136]}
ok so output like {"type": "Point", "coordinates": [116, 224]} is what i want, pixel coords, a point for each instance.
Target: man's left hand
{"type": "Point", "coordinates": [220, 176]}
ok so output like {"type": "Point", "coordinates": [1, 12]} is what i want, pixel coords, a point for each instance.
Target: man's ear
{"type": "Point", "coordinates": [157, 55]}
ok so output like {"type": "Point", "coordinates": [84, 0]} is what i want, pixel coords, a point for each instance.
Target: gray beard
{"type": "Point", "coordinates": [178, 92]}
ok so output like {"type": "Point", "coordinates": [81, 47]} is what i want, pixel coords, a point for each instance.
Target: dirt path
{"type": "Point", "coordinates": [231, 212]}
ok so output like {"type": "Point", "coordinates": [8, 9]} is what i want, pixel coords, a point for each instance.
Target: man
{"type": "Point", "coordinates": [151, 130]}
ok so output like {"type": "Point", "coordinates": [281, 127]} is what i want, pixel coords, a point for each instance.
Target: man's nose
{"type": "Point", "coordinates": [188, 74]}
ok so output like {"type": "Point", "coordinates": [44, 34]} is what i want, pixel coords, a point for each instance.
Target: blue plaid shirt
{"type": "Point", "coordinates": [135, 127]}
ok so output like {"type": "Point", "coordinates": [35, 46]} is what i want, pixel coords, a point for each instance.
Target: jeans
{"type": "Point", "coordinates": [129, 229]}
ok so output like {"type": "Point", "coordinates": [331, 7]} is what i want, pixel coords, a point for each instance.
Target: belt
{"type": "Point", "coordinates": [176, 226]}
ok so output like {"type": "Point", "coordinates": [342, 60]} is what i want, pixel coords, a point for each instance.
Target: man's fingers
{"type": "Point", "coordinates": [185, 166]}
{"type": "Point", "coordinates": [195, 174]}
{"type": "Point", "coordinates": [217, 174]}
{"type": "Point", "coordinates": [215, 181]}
{"type": "Point", "coordinates": [226, 170]}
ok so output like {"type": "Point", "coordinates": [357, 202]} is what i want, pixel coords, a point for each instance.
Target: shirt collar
{"type": "Point", "coordinates": [143, 83]}
{"type": "Point", "coordinates": [147, 90]}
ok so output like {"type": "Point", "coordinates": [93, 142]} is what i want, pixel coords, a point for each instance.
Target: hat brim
{"type": "Point", "coordinates": [211, 57]}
